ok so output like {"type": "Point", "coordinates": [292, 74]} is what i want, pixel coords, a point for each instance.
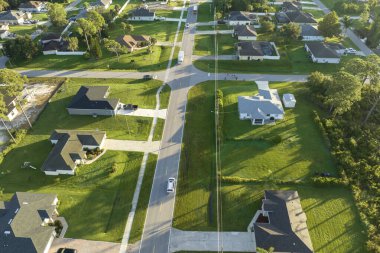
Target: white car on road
{"type": "Point", "coordinates": [171, 185]}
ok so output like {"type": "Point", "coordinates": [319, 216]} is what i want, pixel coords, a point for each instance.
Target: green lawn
{"type": "Point", "coordinates": [204, 44]}
{"type": "Point", "coordinates": [248, 151]}
{"type": "Point", "coordinates": [22, 30]}
{"type": "Point", "coordinates": [143, 61]}
{"type": "Point", "coordinates": [169, 13]}
{"type": "Point", "coordinates": [205, 12]}
{"type": "Point", "coordinates": [40, 16]}
{"type": "Point", "coordinates": [332, 219]}
{"type": "Point", "coordinates": [142, 205]}
{"type": "Point", "coordinates": [210, 27]}
{"type": "Point", "coordinates": [95, 202]}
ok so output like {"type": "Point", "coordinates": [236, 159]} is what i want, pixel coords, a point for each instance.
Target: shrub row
{"type": "Point", "coordinates": [18, 135]}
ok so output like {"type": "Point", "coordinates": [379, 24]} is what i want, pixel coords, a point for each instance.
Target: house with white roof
{"type": "Point", "coordinates": [263, 108]}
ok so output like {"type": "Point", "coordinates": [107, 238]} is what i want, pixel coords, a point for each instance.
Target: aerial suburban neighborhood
{"type": "Point", "coordinates": [149, 126]}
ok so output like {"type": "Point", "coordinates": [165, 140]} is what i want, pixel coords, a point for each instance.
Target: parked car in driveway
{"type": "Point", "coordinates": [171, 185]}
{"type": "Point", "coordinates": [350, 51]}
{"type": "Point", "coordinates": [67, 250]}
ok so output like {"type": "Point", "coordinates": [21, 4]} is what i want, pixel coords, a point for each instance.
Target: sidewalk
{"type": "Point", "coordinates": [208, 241]}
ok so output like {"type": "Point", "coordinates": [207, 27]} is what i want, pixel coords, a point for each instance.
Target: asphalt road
{"type": "Point", "coordinates": [157, 229]}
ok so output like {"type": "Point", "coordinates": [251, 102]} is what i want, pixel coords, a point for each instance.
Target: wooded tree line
{"type": "Point", "coordinates": [223, 7]}
{"type": "Point", "coordinates": [352, 99]}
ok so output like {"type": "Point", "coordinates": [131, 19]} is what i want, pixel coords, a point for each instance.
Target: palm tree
{"type": "Point", "coordinates": [347, 23]}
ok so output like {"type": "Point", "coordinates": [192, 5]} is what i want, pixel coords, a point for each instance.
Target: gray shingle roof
{"type": "Point", "coordinates": [245, 30]}
{"type": "Point", "coordinates": [255, 48]}
{"type": "Point", "coordinates": [295, 17]}
{"type": "Point", "coordinates": [22, 216]}
{"type": "Point", "coordinates": [321, 50]}
{"type": "Point", "coordinates": [309, 30]}
{"type": "Point", "coordinates": [30, 4]}
{"type": "Point", "coordinates": [142, 12]}
{"type": "Point", "coordinates": [93, 97]}
{"type": "Point", "coordinates": [69, 147]}
{"type": "Point", "coordinates": [261, 105]}
{"type": "Point", "coordinates": [287, 230]}
{"type": "Point", "coordinates": [241, 16]}
{"type": "Point", "coordinates": [11, 15]}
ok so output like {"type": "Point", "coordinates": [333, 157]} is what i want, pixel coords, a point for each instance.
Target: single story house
{"type": "Point", "coordinates": [321, 52]}
{"type": "Point", "coordinates": [311, 33]}
{"type": "Point", "coordinates": [4, 31]}
{"type": "Point", "coordinates": [289, 100]}
{"type": "Point", "coordinates": [92, 100]}
{"type": "Point", "coordinates": [134, 42]}
{"type": "Point", "coordinates": [10, 104]}
{"type": "Point", "coordinates": [14, 17]}
{"type": "Point", "coordinates": [297, 17]}
{"type": "Point", "coordinates": [49, 37]}
{"type": "Point", "coordinates": [25, 223]}
{"type": "Point", "coordinates": [52, 47]}
{"type": "Point", "coordinates": [245, 32]}
{"type": "Point", "coordinates": [291, 6]}
{"type": "Point", "coordinates": [32, 6]}
{"type": "Point", "coordinates": [256, 50]}
{"type": "Point", "coordinates": [242, 18]}
{"type": "Point", "coordinates": [264, 108]}
{"type": "Point", "coordinates": [69, 150]}
{"type": "Point", "coordinates": [142, 14]}
{"type": "Point", "coordinates": [285, 228]}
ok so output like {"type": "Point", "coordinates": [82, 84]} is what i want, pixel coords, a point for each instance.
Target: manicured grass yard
{"type": "Point", "coordinates": [331, 216]}
{"type": "Point", "coordinates": [139, 219]}
{"type": "Point", "coordinates": [95, 202]}
{"type": "Point", "coordinates": [249, 152]}
{"type": "Point", "coordinates": [205, 12]}
{"type": "Point", "coordinates": [204, 44]}
{"type": "Point", "coordinates": [158, 60]}
{"type": "Point", "coordinates": [22, 30]}
{"type": "Point", "coordinates": [169, 13]}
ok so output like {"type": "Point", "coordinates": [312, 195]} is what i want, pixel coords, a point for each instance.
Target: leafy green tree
{"type": "Point", "coordinates": [123, 26]}
{"type": "Point", "coordinates": [73, 43]}
{"type": "Point", "coordinates": [364, 17]}
{"type": "Point", "coordinates": [261, 250]}
{"type": "Point", "coordinates": [153, 41]}
{"type": "Point", "coordinates": [57, 14]}
{"type": "Point", "coordinates": [347, 23]}
{"type": "Point", "coordinates": [267, 26]}
{"type": "Point", "coordinates": [114, 47]}
{"type": "Point", "coordinates": [330, 26]}
{"type": "Point", "coordinates": [343, 92]}
{"type": "Point", "coordinates": [129, 28]}
{"type": "Point", "coordinates": [3, 115]}
{"type": "Point", "coordinates": [96, 50]}
{"type": "Point", "coordinates": [87, 29]}
{"type": "Point", "coordinates": [366, 69]}
{"type": "Point", "coordinates": [21, 48]}
{"type": "Point", "coordinates": [96, 19]}
{"type": "Point", "coordinates": [3, 5]}
{"type": "Point", "coordinates": [291, 31]}
{"type": "Point", "coordinates": [14, 83]}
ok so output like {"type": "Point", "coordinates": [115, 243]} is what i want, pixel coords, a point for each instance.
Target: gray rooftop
{"type": "Point", "coordinates": [261, 105]}
{"type": "Point", "coordinates": [69, 147]}
{"type": "Point", "coordinates": [245, 30]}
{"type": "Point", "coordinates": [309, 30]}
{"type": "Point", "coordinates": [241, 16]}
{"type": "Point", "coordinates": [287, 230]}
{"type": "Point", "coordinates": [298, 17]}
{"type": "Point", "coordinates": [255, 48]}
{"type": "Point", "coordinates": [322, 50]}
{"type": "Point", "coordinates": [142, 12]}
{"type": "Point", "coordinates": [11, 15]}
{"type": "Point", "coordinates": [22, 218]}
{"type": "Point", "coordinates": [93, 97]}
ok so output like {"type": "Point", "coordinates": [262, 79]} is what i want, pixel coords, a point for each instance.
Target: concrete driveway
{"type": "Point", "coordinates": [208, 241]}
{"type": "Point", "coordinates": [85, 246]}
{"type": "Point", "coordinates": [144, 113]}
{"type": "Point", "coordinates": [136, 146]}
